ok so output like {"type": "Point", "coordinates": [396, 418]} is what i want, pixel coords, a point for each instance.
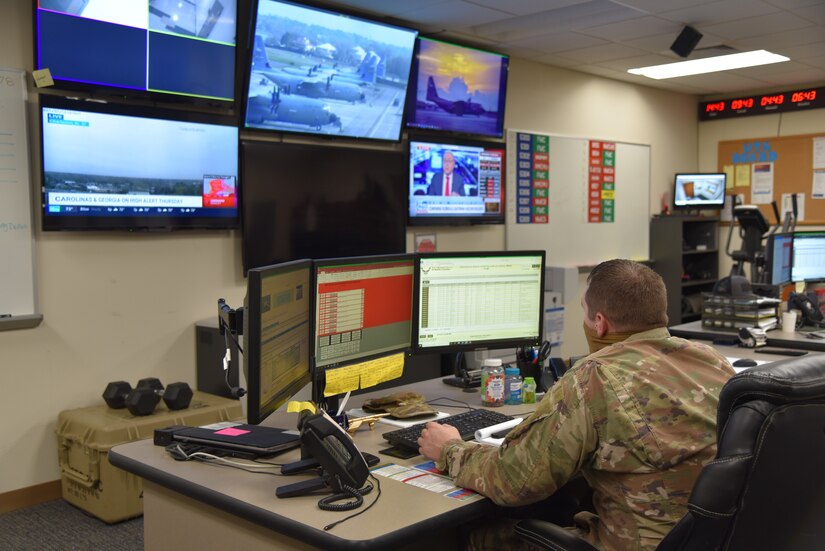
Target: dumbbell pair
{"type": "Point", "coordinates": [143, 399]}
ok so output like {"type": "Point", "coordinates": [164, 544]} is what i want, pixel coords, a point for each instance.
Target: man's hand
{"type": "Point", "coordinates": [434, 437]}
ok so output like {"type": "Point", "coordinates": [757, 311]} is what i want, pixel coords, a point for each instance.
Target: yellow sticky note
{"type": "Point", "coordinates": [42, 78]}
{"type": "Point", "coordinates": [297, 407]}
{"type": "Point", "coordinates": [382, 370]}
{"type": "Point", "coordinates": [729, 176]}
{"type": "Point", "coordinates": [743, 175]}
{"type": "Point", "coordinates": [342, 379]}
{"type": "Point", "coordinates": [608, 194]}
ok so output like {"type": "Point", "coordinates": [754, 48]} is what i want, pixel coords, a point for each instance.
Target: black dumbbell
{"type": "Point", "coordinates": [143, 399]}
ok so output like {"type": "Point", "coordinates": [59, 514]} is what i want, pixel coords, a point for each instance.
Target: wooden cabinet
{"type": "Point", "coordinates": [685, 252]}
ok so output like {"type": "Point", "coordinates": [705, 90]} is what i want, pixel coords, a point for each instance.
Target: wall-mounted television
{"type": "Point", "coordinates": [166, 46]}
{"type": "Point", "coordinates": [455, 182]}
{"type": "Point", "coordinates": [699, 191]}
{"type": "Point", "coordinates": [118, 167]}
{"type": "Point", "coordinates": [314, 71]}
{"type": "Point", "coordinates": [457, 89]}
{"type": "Point", "coordinates": [305, 201]}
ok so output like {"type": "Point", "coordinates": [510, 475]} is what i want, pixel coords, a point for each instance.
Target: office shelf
{"type": "Point", "coordinates": [685, 246]}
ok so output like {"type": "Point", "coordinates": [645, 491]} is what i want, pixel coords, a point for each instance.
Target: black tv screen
{"type": "Point", "coordinates": [457, 89]}
{"type": "Point", "coordinates": [304, 201]}
{"type": "Point", "coordinates": [118, 167]}
{"type": "Point", "coordinates": [319, 72]}
{"type": "Point", "coordinates": [166, 46]}
{"type": "Point", "coordinates": [699, 191]}
{"type": "Point", "coordinates": [452, 181]}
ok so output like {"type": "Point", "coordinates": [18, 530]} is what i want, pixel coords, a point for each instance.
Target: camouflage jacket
{"type": "Point", "coordinates": [637, 419]}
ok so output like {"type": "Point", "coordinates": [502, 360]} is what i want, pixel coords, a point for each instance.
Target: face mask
{"type": "Point", "coordinates": [596, 343]}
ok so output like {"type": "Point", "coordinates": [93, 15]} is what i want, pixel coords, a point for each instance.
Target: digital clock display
{"type": "Point", "coordinates": [762, 104]}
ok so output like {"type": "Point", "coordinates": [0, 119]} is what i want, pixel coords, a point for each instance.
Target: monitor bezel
{"type": "Point", "coordinates": [769, 250]}
{"type": "Point", "coordinates": [703, 206]}
{"type": "Point", "coordinates": [257, 412]}
{"type": "Point", "coordinates": [173, 99]}
{"type": "Point", "coordinates": [486, 345]}
{"type": "Point", "coordinates": [246, 78]}
{"type": "Point", "coordinates": [135, 223]}
{"type": "Point", "coordinates": [456, 220]}
{"type": "Point", "coordinates": [327, 262]}
{"type": "Point", "coordinates": [412, 97]}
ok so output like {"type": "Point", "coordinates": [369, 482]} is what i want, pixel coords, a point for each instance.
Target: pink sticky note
{"type": "Point", "coordinates": [229, 431]}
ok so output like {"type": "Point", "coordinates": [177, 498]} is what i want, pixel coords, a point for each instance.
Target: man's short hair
{"type": "Point", "coordinates": [631, 295]}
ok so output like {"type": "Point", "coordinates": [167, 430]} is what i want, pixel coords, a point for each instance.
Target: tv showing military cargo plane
{"type": "Point", "coordinates": [318, 72]}
{"type": "Point", "coordinates": [458, 89]}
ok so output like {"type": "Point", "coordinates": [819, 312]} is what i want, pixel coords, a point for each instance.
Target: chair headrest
{"type": "Point", "coordinates": [786, 381]}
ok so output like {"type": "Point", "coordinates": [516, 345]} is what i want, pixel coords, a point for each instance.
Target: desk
{"type": "Point", "coordinates": [797, 340]}
{"type": "Point", "coordinates": [192, 505]}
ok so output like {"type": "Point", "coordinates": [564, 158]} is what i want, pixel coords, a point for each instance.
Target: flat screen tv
{"type": "Point", "coordinates": [457, 89]}
{"type": "Point", "coordinates": [165, 46]}
{"type": "Point", "coordinates": [304, 201]}
{"type": "Point", "coordinates": [455, 182]}
{"type": "Point", "coordinates": [314, 71]}
{"type": "Point", "coordinates": [699, 191]}
{"type": "Point", "coordinates": [117, 167]}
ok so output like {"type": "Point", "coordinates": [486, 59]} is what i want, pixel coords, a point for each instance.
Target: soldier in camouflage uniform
{"type": "Point", "coordinates": [637, 418]}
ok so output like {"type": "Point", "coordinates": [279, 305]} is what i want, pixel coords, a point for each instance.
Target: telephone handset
{"type": "Point", "coordinates": [808, 305]}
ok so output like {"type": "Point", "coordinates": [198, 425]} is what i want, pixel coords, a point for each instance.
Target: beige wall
{"type": "Point", "coordinates": [121, 306]}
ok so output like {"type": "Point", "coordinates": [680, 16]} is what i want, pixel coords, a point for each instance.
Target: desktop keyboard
{"type": "Point", "coordinates": [467, 424]}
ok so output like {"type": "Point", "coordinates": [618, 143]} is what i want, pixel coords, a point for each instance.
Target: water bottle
{"type": "Point", "coordinates": [492, 383]}
{"type": "Point", "coordinates": [512, 386]}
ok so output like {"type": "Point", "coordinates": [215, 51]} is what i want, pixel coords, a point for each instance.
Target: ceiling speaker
{"type": "Point", "coordinates": [686, 41]}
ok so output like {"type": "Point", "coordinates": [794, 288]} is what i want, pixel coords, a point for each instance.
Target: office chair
{"type": "Point", "coordinates": [765, 490]}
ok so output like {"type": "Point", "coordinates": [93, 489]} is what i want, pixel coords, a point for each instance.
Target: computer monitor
{"type": "Point", "coordinates": [779, 256]}
{"type": "Point", "coordinates": [277, 336]}
{"type": "Point", "coordinates": [808, 256]}
{"type": "Point", "coordinates": [363, 308]}
{"type": "Point", "coordinates": [699, 191]}
{"type": "Point", "coordinates": [478, 300]}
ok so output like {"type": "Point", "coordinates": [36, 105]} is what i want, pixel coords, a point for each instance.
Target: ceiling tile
{"type": "Point", "coordinates": [766, 71]}
{"type": "Point", "coordinates": [453, 14]}
{"type": "Point", "coordinates": [804, 53]}
{"type": "Point", "coordinates": [385, 7]}
{"type": "Point", "coordinates": [807, 76]}
{"type": "Point", "coordinates": [818, 62]}
{"type": "Point", "coordinates": [724, 10]}
{"type": "Point", "coordinates": [605, 52]}
{"type": "Point", "coordinates": [558, 42]}
{"type": "Point", "coordinates": [758, 26]}
{"type": "Point", "coordinates": [661, 43]}
{"type": "Point", "coordinates": [795, 4]}
{"type": "Point", "coordinates": [557, 60]}
{"type": "Point", "coordinates": [525, 7]}
{"type": "Point", "coordinates": [785, 39]}
{"type": "Point", "coordinates": [658, 6]}
{"type": "Point", "coordinates": [626, 63]}
{"type": "Point", "coordinates": [634, 28]}
{"type": "Point", "coordinates": [814, 14]}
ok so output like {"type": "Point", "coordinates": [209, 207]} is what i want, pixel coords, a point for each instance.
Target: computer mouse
{"type": "Point", "coordinates": [744, 362]}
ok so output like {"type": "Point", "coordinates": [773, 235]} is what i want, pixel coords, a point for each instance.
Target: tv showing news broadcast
{"type": "Point", "coordinates": [456, 182]}
{"type": "Point", "coordinates": [457, 89]}
{"type": "Point", "coordinates": [319, 72]}
{"type": "Point", "coordinates": [699, 191]}
{"type": "Point", "coordinates": [110, 166]}
{"type": "Point", "coordinates": [165, 46]}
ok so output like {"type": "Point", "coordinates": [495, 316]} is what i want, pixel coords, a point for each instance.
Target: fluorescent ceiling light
{"type": "Point", "coordinates": [709, 64]}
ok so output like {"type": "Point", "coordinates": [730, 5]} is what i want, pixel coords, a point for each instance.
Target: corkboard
{"type": "Point", "coordinates": [792, 158]}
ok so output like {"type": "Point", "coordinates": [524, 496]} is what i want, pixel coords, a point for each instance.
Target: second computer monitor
{"type": "Point", "coordinates": [476, 301]}
{"type": "Point", "coordinates": [808, 256]}
{"type": "Point", "coordinates": [779, 252]}
{"type": "Point", "coordinates": [363, 308]}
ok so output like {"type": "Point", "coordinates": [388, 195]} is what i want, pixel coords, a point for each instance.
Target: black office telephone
{"type": "Point", "coordinates": [808, 305]}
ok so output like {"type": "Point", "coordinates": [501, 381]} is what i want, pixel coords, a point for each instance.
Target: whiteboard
{"type": "Point", "coordinates": [17, 274]}
{"type": "Point", "coordinates": [567, 237]}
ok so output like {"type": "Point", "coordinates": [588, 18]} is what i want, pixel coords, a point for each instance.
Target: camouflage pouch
{"type": "Point", "coordinates": [401, 405]}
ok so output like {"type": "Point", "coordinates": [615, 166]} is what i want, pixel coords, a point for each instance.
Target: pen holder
{"type": "Point", "coordinates": [534, 370]}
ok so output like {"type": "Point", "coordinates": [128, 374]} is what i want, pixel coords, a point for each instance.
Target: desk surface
{"type": "Point", "coordinates": [402, 513]}
{"type": "Point", "coordinates": [797, 340]}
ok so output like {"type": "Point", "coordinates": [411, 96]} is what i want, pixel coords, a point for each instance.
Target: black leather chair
{"type": "Point", "coordinates": [766, 488]}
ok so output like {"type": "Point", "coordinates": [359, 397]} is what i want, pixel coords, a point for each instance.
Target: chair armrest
{"type": "Point", "coordinates": [550, 536]}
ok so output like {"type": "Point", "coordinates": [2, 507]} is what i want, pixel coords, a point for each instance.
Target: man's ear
{"type": "Point", "coordinates": [602, 325]}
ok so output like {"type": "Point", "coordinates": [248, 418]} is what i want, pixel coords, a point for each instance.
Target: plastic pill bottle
{"type": "Point", "coordinates": [492, 382]}
{"type": "Point", "coordinates": [512, 386]}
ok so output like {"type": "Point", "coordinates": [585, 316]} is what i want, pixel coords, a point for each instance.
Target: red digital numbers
{"type": "Point", "coordinates": [805, 95]}
{"type": "Point", "coordinates": [717, 106]}
{"type": "Point", "coordinates": [772, 100]}
{"type": "Point", "coordinates": [737, 104]}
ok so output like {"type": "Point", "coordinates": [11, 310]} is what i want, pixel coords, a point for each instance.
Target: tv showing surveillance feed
{"type": "Point", "coordinates": [457, 89]}
{"type": "Point", "coordinates": [158, 46]}
{"type": "Point", "coordinates": [118, 167]}
{"type": "Point", "coordinates": [456, 182]}
{"type": "Point", "coordinates": [699, 191]}
{"type": "Point", "coordinates": [318, 72]}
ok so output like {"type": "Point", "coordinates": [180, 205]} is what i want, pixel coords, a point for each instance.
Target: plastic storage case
{"type": "Point", "coordinates": [85, 436]}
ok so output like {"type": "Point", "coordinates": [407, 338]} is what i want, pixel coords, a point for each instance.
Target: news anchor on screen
{"type": "Point", "coordinates": [448, 182]}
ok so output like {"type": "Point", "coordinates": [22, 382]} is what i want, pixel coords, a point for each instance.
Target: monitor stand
{"type": "Point", "coordinates": [468, 379]}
